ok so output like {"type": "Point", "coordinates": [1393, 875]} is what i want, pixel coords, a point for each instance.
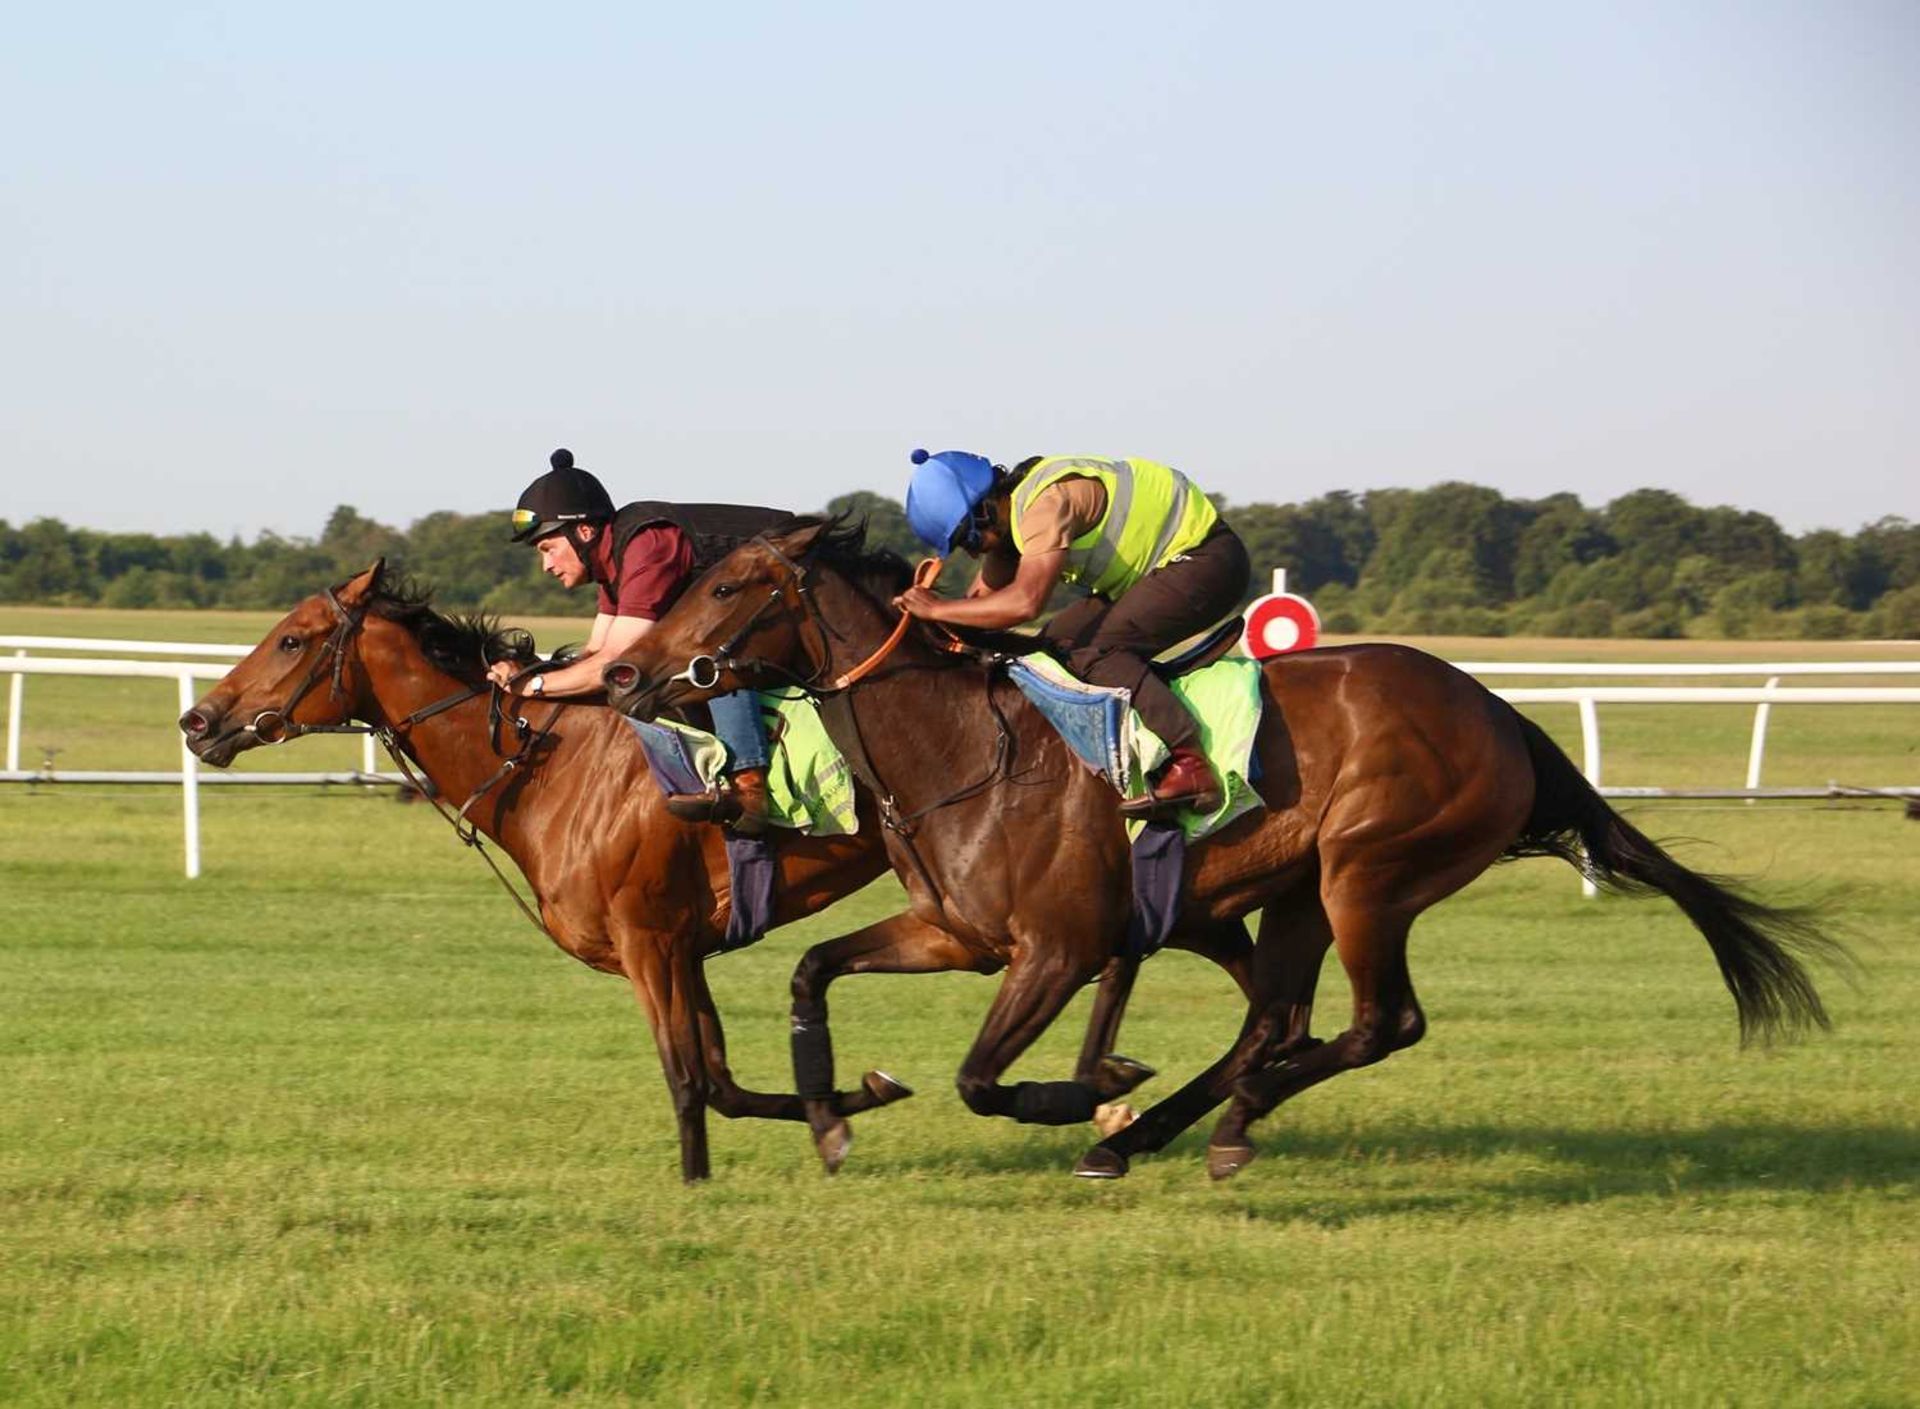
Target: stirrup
{"type": "Point", "coordinates": [1149, 808]}
{"type": "Point", "coordinates": [698, 807]}
{"type": "Point", "coordinates": [718, 805]}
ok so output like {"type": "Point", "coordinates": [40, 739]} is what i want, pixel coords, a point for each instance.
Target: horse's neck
{"type": "Point", "coordinates": [455, 748]}
{"type": "Point", "coordinates": [916, 696]}
{"type": "Point", "coordinates": [857, 624]}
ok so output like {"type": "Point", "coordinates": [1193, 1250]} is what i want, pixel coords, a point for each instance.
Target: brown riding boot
{"type": "Point", "coordinates": [1188, 780]}
{"type": "Point", "coordinates": [740, 804]}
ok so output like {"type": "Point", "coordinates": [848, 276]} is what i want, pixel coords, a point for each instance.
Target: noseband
{"type": "Point", "coordinates": [703, 671]}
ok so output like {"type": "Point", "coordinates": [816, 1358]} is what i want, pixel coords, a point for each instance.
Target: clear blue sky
{"type": "Point", "coordinates": [261, 260]}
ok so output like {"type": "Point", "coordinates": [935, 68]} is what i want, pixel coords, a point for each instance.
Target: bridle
{"type": "Point", "coordinates": [276, 725]}
{"type": "Point", "coordinates": [703, 671]}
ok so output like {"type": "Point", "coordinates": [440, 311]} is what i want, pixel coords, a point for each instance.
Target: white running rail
{"type": "Point", "coordinates": [1763, 698]}
{"type": "Point", "coordinates": [184, 673]}
{"type": "Point", "coordinates": [1586, 698]}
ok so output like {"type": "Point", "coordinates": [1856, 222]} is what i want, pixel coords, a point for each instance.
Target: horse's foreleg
{"type": "Point", "coordinates": [732, 1100]}
{"type": "Point", "coordinates": [1037, 987]}
{"type": "Point", "coordinates": [1100, 1067]}
{"type": "Point", "coordinates": [1109, 1006]}
{"type": "Point", "coordinates": [900, 944]}
{"type": "Point", "coordinates": [1279, 978]}
{"type": "Point", "coordinates": [662, 976]}
{"type": "Point", "coordinates": [1226, 944]}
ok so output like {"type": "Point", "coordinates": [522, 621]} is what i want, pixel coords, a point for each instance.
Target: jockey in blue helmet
{"type": "Point", "coordinates": [1158, 561]}
{"type": "Point", "coordinates": [944, 495]}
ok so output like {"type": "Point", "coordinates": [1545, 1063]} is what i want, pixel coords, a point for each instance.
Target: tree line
{"type": "Point", "coordinates": [1457, 559]}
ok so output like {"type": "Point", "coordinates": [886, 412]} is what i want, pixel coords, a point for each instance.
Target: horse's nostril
{"type": "Point", "coordinates": [193, 724]}
{"type": "Point", "coordinates": [620, 677]}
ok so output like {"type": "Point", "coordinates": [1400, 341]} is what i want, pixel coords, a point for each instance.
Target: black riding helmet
{"type": "Point", "coordinates": [562, 497]}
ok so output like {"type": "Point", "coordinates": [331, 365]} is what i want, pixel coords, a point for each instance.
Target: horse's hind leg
{"type": "Point", "coordinates": [1285, 969]}
{"type": "Point", "coordinates": [899, 944]}
{"type": "Point", "coordinates": [1372, 945]}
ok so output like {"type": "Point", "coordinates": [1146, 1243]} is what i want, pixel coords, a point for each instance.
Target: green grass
{"type": "Point", "coordinates": [332, 1125]}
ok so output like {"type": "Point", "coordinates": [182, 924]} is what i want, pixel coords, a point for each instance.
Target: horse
{"type": "Point", "coordinates": [621, 885]}
{"type": "Point", "coordinates": [1390, 780]}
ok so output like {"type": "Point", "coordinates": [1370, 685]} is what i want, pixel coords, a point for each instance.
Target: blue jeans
{"type": "Point", "coordinates": [736, 720]}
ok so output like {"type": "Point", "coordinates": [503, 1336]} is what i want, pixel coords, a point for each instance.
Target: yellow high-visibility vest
{"type": "Point", "coordinates": [1154, 514]}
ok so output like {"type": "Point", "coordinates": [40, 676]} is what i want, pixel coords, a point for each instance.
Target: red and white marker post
{"type": "Point", "coordinates": [1280, 622]}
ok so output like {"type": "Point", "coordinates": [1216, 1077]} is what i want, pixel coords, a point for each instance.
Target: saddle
{"type": "Point", "coordinates": [1199, 650]}
{"type": "Point", "coordinates": [1098, 723]}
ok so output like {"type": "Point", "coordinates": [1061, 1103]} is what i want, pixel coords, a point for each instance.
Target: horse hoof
{"type": "Point", "coordinates": [1117, 1075]}
{"type": "Point", "coordinates": [1101, 1163]}
{"type": "Point", "coordinates": [885, 1089]}
{"type": "Point", "coordinates": [1113, 1117]}
{"type": "Point", "coordinates": [1225, 1161]}
{"type": "Point", "coordinates": [834, 1144]}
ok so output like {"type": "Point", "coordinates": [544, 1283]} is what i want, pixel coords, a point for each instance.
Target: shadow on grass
{"type": "Point", "coordinates": [1469, 1164]}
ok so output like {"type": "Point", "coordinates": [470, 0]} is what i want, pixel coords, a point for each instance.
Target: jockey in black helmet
{"type": "Point", "coordinates": [640, 558]}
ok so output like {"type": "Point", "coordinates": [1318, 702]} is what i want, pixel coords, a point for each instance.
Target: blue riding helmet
{"type": "Point", "coordinates": [941, 497]}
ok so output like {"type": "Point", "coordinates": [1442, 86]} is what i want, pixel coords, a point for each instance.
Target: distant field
{"type": "Point", "coordinates": [333, 1126]}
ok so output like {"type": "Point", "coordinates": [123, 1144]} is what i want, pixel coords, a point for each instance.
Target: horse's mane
{"type": "Point", "coordinates": [843, 547]}
{"type": "Point", "coordinates": [882, 573]}
{"type": "Point", "coordinates": [460, 645]}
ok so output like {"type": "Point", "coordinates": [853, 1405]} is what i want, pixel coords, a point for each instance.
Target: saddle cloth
{"type": "Point", "coordinates": [1100, 725]}
{"type": "Point", "coordinates": [809, 788]}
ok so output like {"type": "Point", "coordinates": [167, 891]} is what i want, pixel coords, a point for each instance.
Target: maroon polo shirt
{"type": "Point", "coordinates": [657, 564]}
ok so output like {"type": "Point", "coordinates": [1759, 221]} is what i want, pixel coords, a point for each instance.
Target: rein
{"type": "Point", "coordinates": [924, 575]}
{"type": "Point", "coordinates": [703, 671]}
{"type": "Point", "coordinates": [902, 823]}
{"type": "Point", "coordinates": [838, 697]}
{"type": "Point", "coordinates": [464, 827]}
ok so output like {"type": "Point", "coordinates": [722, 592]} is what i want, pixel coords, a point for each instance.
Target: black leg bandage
{"type": "Point", "coordinates": [1053, 1103]}
{"type": "Point", "coordinates": [812, 1058]}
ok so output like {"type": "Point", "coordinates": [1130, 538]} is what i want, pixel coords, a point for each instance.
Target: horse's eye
{"type": "Point", "coordinates": [291, 644]}
{"type": "Point", "coordinates": [725, 589]}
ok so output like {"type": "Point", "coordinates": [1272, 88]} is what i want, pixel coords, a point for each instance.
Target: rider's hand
{"type": "Point", "coordinates": [918, 601]}
{"type": "Point", "coordinates": [502, 671]}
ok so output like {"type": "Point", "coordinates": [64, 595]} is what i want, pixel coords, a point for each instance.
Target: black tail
{"type": "Point", "coordinates": [1755, 944]}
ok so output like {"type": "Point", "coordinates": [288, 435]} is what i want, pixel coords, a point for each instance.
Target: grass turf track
{"type": "Point", "coordinates": [333, 1126]}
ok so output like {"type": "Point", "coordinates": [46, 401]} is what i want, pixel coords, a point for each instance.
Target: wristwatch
{"type": "Point", "coordinates": [537, 685]}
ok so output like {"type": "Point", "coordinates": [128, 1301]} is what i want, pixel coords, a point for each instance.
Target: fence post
{"type": "Point", "coordinates": [1757, 751]}
{"type": "Point", "coordinates": [1589, 765]}
{"type": "Point", "coordinates": [189, 782]}
{"type": "Point", "coordinates": [15, 693]}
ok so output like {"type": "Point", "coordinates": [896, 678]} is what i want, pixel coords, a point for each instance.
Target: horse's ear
{"type": "Point", "coordinates": [357, 589]}
{"type": "Point", "coordinates": [798, 542]}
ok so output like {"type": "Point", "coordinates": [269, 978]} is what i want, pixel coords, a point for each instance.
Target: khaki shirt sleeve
{"type": "Point", "coordinates": [1062, 512]}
